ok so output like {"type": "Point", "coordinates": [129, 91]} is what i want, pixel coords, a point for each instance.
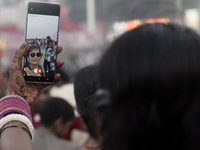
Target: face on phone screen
{"type": "Point", "coordinates": [42, 38]}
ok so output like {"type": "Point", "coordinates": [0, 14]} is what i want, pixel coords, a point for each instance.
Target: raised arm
{"type": "Point", "coordinates": [16, 129]}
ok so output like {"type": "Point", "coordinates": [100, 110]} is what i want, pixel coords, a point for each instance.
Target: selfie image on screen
{"type": "Point", "coordinates": [41, 37]}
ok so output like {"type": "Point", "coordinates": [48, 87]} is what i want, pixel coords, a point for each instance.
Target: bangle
{"type": "Point", "coordinates": [18, 117]}
{"type": "Point", "coordinates": [15, 125]}
{"type": "Point", "coordinates": [8, 126]}
{"type": "Point", "coordinates": [14, 104]}
{"type": "Point", "coordinates": [25, 128]}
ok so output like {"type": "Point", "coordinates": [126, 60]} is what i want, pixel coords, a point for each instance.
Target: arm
{"type": "Point", "coordinates": [15, 122]}
{"type": "Point", "coordinates": [17, 84]}
{"type": "Point", "coordinates": [10, 138]}
{"type": "Point", "coordinates": [16, 137]}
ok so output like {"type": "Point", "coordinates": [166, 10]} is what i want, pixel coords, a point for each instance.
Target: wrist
{"type": "Point", "coordinates": [17, 120]}
{"type": "Point", "coordinates": [11, 91]}
{"type": "Point", "coordinates": [16, 124]}
{"type": "Point", "coordinates": [19, 123]}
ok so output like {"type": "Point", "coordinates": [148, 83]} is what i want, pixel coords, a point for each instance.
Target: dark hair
{"type": "Point", "coordinates": [48, 37]}
{"type": "Point", "coordinates": [49, 41]}
{"type": "Point", "coordinates": [153, 76]}
{"type": "Point", "coordinates": [85, 85]}
{"type": "Point", "coordinates": [54, 108]}
{"type": "Point", "coordinates": [30, 49]}
{"type": "Point", "coordinates": [64, 77]}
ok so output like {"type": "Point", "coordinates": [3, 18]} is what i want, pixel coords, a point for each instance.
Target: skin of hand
{"type": "Point", "coordinates": [17, 84]}
{"type": "Point", "coordinates": [51, 57]}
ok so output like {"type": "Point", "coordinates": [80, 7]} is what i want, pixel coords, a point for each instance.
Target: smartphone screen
{"type": "Point", "coordinates": [42, 37]}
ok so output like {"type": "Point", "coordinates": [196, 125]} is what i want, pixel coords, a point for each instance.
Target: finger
{"type": "Point", "coordinates": [16, 63]}
{"type": "Point", "coordinates": [59, 49]}
{"type": "Point", "coordinates": [59, 64]}
{"type": "Point", "coordinates": [22, 51]}
{"type": "Point", "coordinates": [57, 77]}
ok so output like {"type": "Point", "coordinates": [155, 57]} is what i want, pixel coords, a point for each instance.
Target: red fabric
{"type": "Point", "coordinates": [77, 124]}
{"type": "Point", "coordinates": [11, 29]}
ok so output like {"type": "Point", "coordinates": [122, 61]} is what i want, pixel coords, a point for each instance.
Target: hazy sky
{"type": "Point", "coordinates": [41, 26]}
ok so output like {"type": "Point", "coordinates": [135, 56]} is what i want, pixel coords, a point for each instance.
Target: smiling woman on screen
{"type": "Point", "coordinates": [33, 59]}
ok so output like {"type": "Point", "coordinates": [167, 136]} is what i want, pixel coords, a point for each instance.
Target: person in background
{"type": "Point", "coordinates": [56, 118]}
{"type": "Point", "coordinates": [85, 86]}
{"type": "Point", "coordinates": [44, 95]}
{"type": "Point", "coordinates": [48, 38]}
{"type": "Point", "coordinates": [49, 61]}
{"type": "Point", "coordinates": [77, 121]}
{"type": "Point", "coordinates": [37, 41]}
{"type": "Point", "coordinates": [37, 105]}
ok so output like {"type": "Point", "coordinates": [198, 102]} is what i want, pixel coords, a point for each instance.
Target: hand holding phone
{"type": "Point", "coordinates": [39, 65]}
{"type": "Point", "coordinates": [17, 84]}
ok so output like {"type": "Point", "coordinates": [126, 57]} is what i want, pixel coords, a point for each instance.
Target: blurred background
{"type": "Point", "coordinates": [88, 26]}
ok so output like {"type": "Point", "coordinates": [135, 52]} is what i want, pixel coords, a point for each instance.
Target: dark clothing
{"type": "Point", "coordinates": [49, 64]}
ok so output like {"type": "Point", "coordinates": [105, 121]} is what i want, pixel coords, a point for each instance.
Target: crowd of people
{"type": "Point", "coordinates": [143, 94]}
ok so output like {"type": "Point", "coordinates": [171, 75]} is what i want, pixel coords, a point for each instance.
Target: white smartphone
{"type": "Point", "coordinates": [42, 28]}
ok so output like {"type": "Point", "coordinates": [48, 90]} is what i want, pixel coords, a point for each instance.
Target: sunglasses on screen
{"type": "Point", "coordinates": [33, 54]}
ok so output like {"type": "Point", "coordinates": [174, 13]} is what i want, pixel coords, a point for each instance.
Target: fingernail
{"type": "Point", "coordinates": [23, 46]}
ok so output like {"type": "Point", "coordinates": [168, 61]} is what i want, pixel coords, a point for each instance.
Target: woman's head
{"type": "Point", "coordinates": [34, 55]}
{"type": "Point", "coordinates": [153, 76]}
{"type": "Point", "coordinates": [85, 85]}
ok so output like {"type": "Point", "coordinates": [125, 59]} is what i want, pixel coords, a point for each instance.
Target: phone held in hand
{"type": "Point", "coordinates": [42, 28]}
